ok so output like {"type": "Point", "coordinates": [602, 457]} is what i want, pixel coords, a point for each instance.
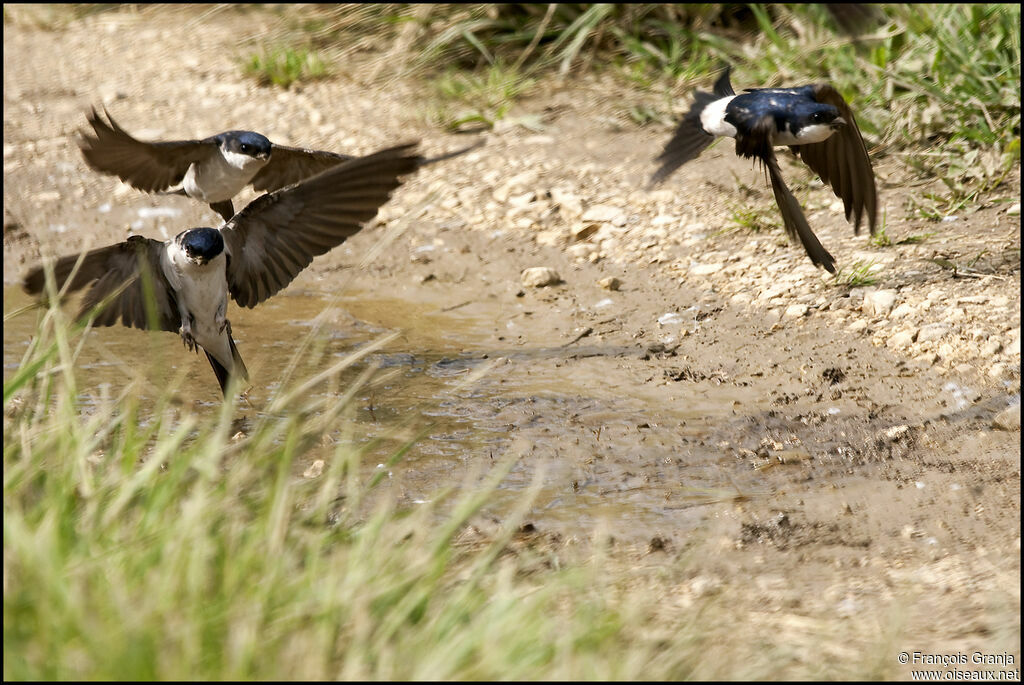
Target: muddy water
{"type": "Point", "coordinates": [609, 451]}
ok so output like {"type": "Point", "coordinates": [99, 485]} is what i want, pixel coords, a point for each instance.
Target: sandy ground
{"type": "Point", "coordinates": [865, 441]}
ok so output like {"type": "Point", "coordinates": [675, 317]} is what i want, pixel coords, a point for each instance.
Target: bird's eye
{"type": "Point", "coordinates": [245, 147]}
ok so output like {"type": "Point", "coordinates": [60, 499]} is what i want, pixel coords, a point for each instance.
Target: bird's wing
{"type": "Point", "coordinates": [290, 165]}
{"type": "Point", "coordinates": [688, 141]}
{"type": "Point", "coordinates": [277, 235]}
{"type": "Point", "coordinates": [455, 153]}
{"type": "Point", "coordinates": [793, 216]}
{"type": "Point", "coordinates": [723, 87]}
{"type": "Point", "coordinates": [147, 166]}
{"type": "Point", "coordinates": [842, 161]}
{"type": "Point", "coordinates": [690, 138]}
{"type": "Point", "coordinates": [135, 262]}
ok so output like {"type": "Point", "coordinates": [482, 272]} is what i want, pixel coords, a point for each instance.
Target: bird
{"type": "Point", "coordinates": [212, 170]}
{"type": "Point", "coordinates": [813, 120]}
{"type": "Point", "coordinates": [252, 256]}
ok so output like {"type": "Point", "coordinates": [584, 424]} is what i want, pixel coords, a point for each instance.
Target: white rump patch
{"type": "Point", "coordinates": [712, 119]}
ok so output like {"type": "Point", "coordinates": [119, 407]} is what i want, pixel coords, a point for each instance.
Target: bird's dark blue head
{"type": "Point", "coordinates": [819, 113]}
{"type": "Point", "coordinates": [248, 143]}
{"type": "Point", "coordinates": [201, 245]}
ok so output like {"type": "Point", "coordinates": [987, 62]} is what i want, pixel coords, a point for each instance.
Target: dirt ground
{"type": "Point", "coordinates": [837, 469]}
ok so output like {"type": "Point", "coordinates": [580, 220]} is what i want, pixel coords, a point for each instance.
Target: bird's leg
{"type": "Point", "coordinates": [186, 328]}
{"type": "Point", "coordinates": [220, 318]}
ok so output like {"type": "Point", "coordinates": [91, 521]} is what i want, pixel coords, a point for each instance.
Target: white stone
{"type": "Point", "coordinates": [925, 360]}
{"type": "Point", "coordinates": [670, 318]}
{"type": "Point", "coordinates": [662, 195]}
{"type": "Point", "coordinates": [706, 269]}
{"type": "Point", "coordinates": [933, 331]}
{"type": "Point", "coordinates": [603, 213]}
{"type": "Point", "coordinates": [795, 311]}
{"type": "Point", "coordinates": [902, 310]}
{"type": "Point", "coordinates": [897, 432]}
{"type": "Point", "coordinates": [901, 339]}
{"type": "Point", "coordinates": [569, 204]}
{"type": "Point", "coordinates": [991, 348]}
{"type": "Point", "coordinates": [522, 200]}
{"type": "Point", "coordinates": [540, 276]}
{"type": "Point", "coordinates": [580, 250]}
{"type": "Point", "coordinates": [552, 237]}
{"type": "Point", "coordinates": [879, 302]}
{"type": "Point", "coordinates": [1008, 419]}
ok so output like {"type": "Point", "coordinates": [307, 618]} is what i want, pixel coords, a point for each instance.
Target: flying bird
{"type": "Point", "coordinates": [252, 256]}
{"type": "Point", "coordinates": [212, 170]}
{"type": "Point", "coordinates": [814, 121]}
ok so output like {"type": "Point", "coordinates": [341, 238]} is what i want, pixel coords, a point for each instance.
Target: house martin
{"type": "Point", "coordinates": [212, 170]}
{"type": "Point", "coordinates": [252, 256]}
{"type": "Point", "coordinates": [813, 120]}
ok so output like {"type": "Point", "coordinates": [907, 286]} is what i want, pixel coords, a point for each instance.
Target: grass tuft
{"type": "Point", "coordinates": [753, 218]}
{"type": "Point", "coordinates": [858, 275]}
{"type": "Point", "coordinates": [478, 100]}
{"type": "Point", "coordinates": [283, 66]}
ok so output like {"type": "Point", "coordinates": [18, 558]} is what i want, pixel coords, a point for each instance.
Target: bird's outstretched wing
{"type": "Point", "coordinates": [290, 165]}
{"type": "Point", "coordinates": [277, 235]}
{"type": "Point", "coordinates": [842, 161]}
{"type": "Point", "coordinates": [135, 262]}
{"type": "Point", "coordinates": [690, 138]}
{"type": "Point", "coordinates": [147, 166]}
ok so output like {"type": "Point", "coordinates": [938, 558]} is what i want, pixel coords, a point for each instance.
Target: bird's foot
{"type": "Point", "coordinates": [188, 340]}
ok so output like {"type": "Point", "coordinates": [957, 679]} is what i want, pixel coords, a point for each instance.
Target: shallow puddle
{"type": "Point", "coordinates": [610, 449]}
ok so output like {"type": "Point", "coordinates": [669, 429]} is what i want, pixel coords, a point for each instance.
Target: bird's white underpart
{"type": "Point", "coordinates": [221, 177]}
{"type": "Point", "coordinates": [812, 133]}
{"type": "Point", "coordinates": [202, 291]}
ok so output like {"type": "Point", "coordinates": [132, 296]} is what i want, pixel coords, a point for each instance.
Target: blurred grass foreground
{"type": "Point", "coordinates": [153, 543]}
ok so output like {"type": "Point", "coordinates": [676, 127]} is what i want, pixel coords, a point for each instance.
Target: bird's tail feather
{"type": "Point", "coordinates": [723, 87]}
{"type": "Point", "coordinates": [222, 373]}
{"type": "Point", "coordinates": [794, 220]}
